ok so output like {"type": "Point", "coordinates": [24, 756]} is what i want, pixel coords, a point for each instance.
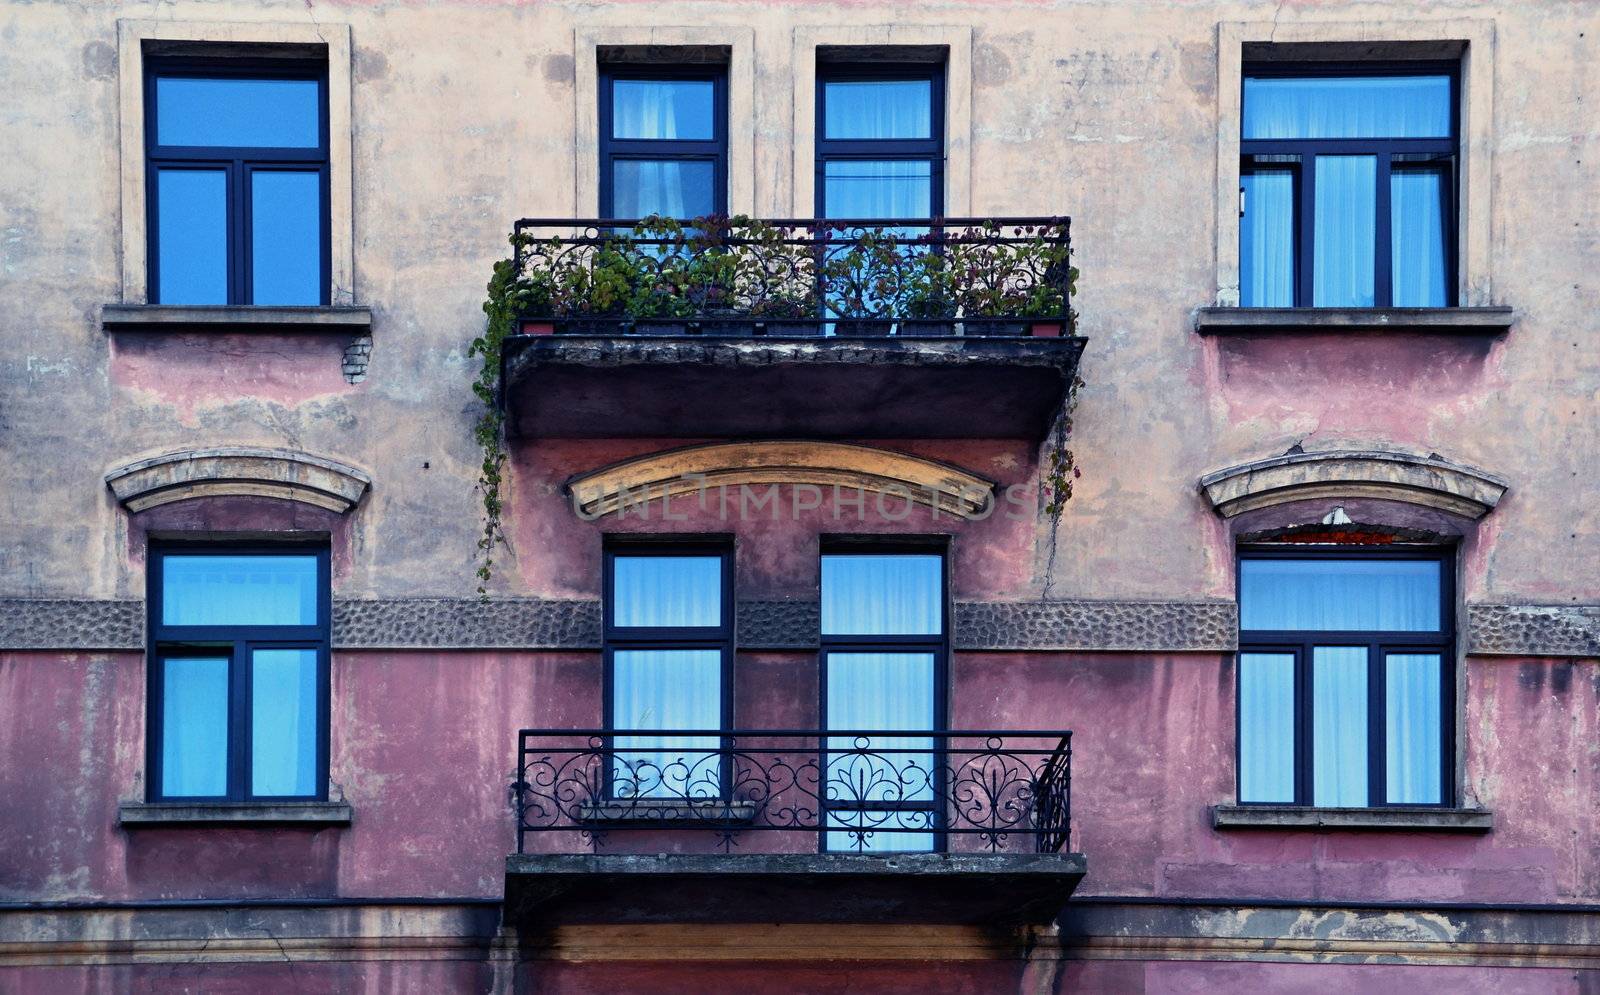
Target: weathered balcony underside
{"type": "Point", "coordinates": [620, 386]}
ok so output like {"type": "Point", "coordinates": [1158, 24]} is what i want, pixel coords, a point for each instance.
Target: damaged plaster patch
{"type": "Point", "coordinates": [356, 355]}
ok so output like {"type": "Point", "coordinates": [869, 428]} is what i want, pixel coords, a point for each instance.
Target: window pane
{"type": "Point", "coordinates": [239, 590]}
{"type": "Point", "coordinates": [257, 113]}
{"type": "Point", "coordinates": [1347, 107]}
{"type": "Point", "coordinates": [1345, 243]}
{"type": "Point", "coordinates": [877, 691]}
{"type": "Point", "coordinates": [1417, 236]}
{"type": "Point", "coordinates": [1266, 238]}
{"type": "Point", "coordinates": [1375, 595]}
{"type": "Point", "coordinates": [1266, 727]}
{"type": "Point", "coordinates": [192, 236]}
{"type": "Point", "coordinates": [882, 594]}
{"type": "Point", "coordinates": [286, 237]}
{"type": "Point", "coordinates": [663, 108]}
{"type": "Point", "coordinates": [666, 689]}
{"type": "Point", "coordinates": [1339, 726]}
{"type": "Point", "coordinates": [869, 831]}
{"type": "Point", "coordinates": [858, 188]}
{"type": "Point", "coordinates": [194, 727]}
{"type": "Point", "coordinates": [1412, 728]}
{"type": "Point", "coordinates": [283, 722]}
{"type": "Point", "coordinates": [899, 108]}
{"type": "Point", "coordinates": [666, 591]}
{"type": "Point", "coordinates": [671, 188]}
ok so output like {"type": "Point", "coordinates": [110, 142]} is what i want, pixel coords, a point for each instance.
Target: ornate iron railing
{"type": "Point", "coordinates": [796, 277]}
{"type": "Point", "coordinates": [835, 790]}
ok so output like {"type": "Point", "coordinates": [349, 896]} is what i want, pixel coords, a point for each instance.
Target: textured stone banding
{"type": "Point", "coordinates": [238, 471]}
{"type": "Point", "coordinates": [1534, 630]}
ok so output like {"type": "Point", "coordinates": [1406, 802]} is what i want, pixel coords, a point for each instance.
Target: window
{"type": "Point", "coordinates": [1348, 186]}
{"type": "Point", "coordinates": [880, 140]}
{"type": "Point", "coordinates": [663, 141]}
{"type": "Point", "coordinates": [1346, 679]}
{"type": "Point", "coordinates": [669, 636]}
{"type": "Point", "coordinates": [238, 673]}
{"type": "Point", "coordinates": [883, 666]}
{"type": "Point", "coordinates": [236, 181]}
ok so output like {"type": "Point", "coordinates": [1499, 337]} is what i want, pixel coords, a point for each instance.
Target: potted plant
{"type": "Point", "coordinates": [929, 301]}
{"type": "Point", "coordinates": [1003, 288]}
{"type": "Point", "coordinates": [862, 284]}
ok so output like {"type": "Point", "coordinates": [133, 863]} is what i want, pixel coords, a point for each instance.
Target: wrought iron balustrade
{"type": "Point", "coordinates": [834, 790]}
{"type": "Point", "coordinates": [796, 277]}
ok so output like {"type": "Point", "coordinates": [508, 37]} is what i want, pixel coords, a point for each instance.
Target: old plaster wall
{"type": "Point", "coordinates": [463, 120]}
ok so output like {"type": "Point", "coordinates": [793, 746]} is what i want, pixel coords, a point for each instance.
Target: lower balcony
{"type": "Point", "coordinates": [791, 826]}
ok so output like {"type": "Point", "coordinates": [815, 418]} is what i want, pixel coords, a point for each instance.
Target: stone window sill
{"type": "Point", "coordinates": [141, 815]}
{"type": "Point", "coordinates": [1396, 819]}
{"type": "Point", "coordinates": [234, 318]}
{"type": "Point", "coordinates": [1309, 320]}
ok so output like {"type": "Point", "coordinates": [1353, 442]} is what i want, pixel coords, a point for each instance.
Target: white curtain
{"type": "Point", "coordinates": [666, 591]}
{"type": "Point", "coordinates": [283, 722]}
{"type": "Point", "coordinates": [662, 109]}
{"type": "Point", "coordinates": [882, 594]}
{"type": "Point", "coordinates": [659, 690]}
{"type": "Point", "coordinates": [874, 109]}
{"type": "Point", "coordinates": [239, 590]}
{"type": "Point", "coordinates": [1344, 239]}
{"type": "Point", "coordinates": [1347, 107]}
{"type": "Point", "coordinates": [876, 691]}
{"type": "Point", "coordinates": [194, 727]}
{"type": "Point", "coordinates": [1412, 727]}
{"type": "Point", "coordinates": [1266, 727]}
{"type": "Point", "coordinates": [1266, 238]}
{"type": "Point", "coordinates": [1417, 236]}
{"type": "Point", "coordinates": [1340, 595]}
{"type": "Point", "coordinates": [887, 188]}
{"type": "Point", "coordinates": [1339, 726]}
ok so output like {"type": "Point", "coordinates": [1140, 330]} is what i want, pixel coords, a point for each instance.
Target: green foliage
{"type": "Point", "coordinates": [508, 297]}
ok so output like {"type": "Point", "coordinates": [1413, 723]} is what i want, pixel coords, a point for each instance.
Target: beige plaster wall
{"type": "Point", "coordinates": [463, 117]}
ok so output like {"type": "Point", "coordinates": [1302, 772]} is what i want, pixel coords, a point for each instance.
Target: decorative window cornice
{"type": "Point", "coordinates": [238, 471]}
{"type": "Point", "coordinates": [1428, 481]}
{"type": "Point", "coordinates": [824, 464]}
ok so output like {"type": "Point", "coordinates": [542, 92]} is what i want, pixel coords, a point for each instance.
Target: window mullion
{"type": "Point", "coordinates": [1383, 278]}
{"type": "Point", "coordinates": [239, 721]}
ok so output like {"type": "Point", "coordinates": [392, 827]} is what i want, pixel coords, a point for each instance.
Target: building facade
{"type": "Point", "coordinates": [855, 576]}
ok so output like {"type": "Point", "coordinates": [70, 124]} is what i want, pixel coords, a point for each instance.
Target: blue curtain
{"type": "Point", "coordinates": [1340, 595]}
{"type": "Point", "coordinates": [1347, 107]}
{"type": "Point", "coordinates": [666, 591]}
{"type": "Point", "coordinates": [659, 690]}
{"type": "Point", "coordinates": [1266, 238]}
{"type": "Point", "coordinates": [877, 109]}
{"type": "Point", "coordinates": [882, 594]}
{"type": "Point", "coordinates": [879, 691]}
{"type": "Point", "coordinates": [1339, 726]}
{"type": "Point", "coordinates": [239, 590]}
{"type": "Point", "coordinates": [283, 722]}
{"type": "Point", "coordinates": [1417, 236]}
{"type": "Point", "coordinates": [1266, 727]}
{"type": "Point", "coordinates": [1344, 239]}
{"type": "Point", "coordinates": [663, 108]}
{"type": "Point", "coordinates": [194, 726]}
{"type": "Point", "coordinates": [1412, 727]}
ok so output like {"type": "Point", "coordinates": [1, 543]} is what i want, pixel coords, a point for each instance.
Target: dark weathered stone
{"type": "Point", "coordinates": [1156, 626]}
{"type": "Point", "coordinates": [466, 623]}
{"type": "Point", "coordinates": [71, 624]}
{"type": "Point", "coordinates": [1533, 630]}
{"type": "Point", "coordinates": [779, 625]}
{"type": "Point", "coordinates": [1465, 820]}
{"type": "Point", "coordinates": [1449, 320]}
{"type": "Point", "coordinates": [136, 814]}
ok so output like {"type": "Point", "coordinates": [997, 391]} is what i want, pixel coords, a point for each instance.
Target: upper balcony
{"type": "Point", "coordinates": [954, 328]}
{"type": "Point", "coordinates": [792, 826]}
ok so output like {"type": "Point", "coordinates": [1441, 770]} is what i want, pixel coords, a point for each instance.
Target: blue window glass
{"type": "Point", "coordinates": [864, 188]}
{"type": "Point", "coordinates": [882, 594]}
{"type": "Point", "coordinates": [668, 187]}
{"type": "Point", "coordinates": [1414, 702]}
{"type": "Point", "coordinates": [666, 591]}
{"type": "Point", "coordinates": [1339, 595]}
{"type": "Point", "coordinates": [237, 165]}
{"type": "Point", "coordinates": [283, 722]}
{"type": "Point", "coordinates": [663, 108]}
{"type": "Point", "coordinates": [1339, 744]}
{"type": "Point", "coordinates": [286, 238]}
{"type": "Point", "coordinates": [192, 232]}
{"type": "Point", "coordinates": [234, 112]}
{"type": "Point", "coordinates": [1351, 133]}
{"type": "Point", "coordinates": [239, 590]}
{"type": "Point", "coordinates": [246, 717]}
{"type": "Point", "coordinates": [1266, 727]}
{"type": "Point", "coordinates": [194, 727]}
{"type": "Point", "coordinates": [876, 109]}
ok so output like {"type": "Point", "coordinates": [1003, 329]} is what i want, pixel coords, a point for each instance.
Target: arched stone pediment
{"type": "Point", "coordinates": [1428, 481]}
{"type": "Point", "coordinates": [238, 471]}
{"type": "Point", "coordinates": [825, 464]}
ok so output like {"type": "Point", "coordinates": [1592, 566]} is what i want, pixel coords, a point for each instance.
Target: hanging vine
{"type": "Point", "coordinates": [504, 302]}
{"type": "Point", "coordinates": [1058, 473]}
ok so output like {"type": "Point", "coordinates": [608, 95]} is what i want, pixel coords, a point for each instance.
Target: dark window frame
{"type": "Point", "coordinates": [616, 638]}
{"type": "Point", "coordinates": [1383, 149]}
{"type": "Point", "coordinates": [238, 642]}
{"type": "Point", "coordinates": [238, 163]}
{"type": "Point", "coordinates": [938, 645]}
{"type": "Point", "coordinates": [1379, 644]}
{"type": "Point", "coordinates": [714, 150]}
{"type": "Point", "coordinates": [930, 149]}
